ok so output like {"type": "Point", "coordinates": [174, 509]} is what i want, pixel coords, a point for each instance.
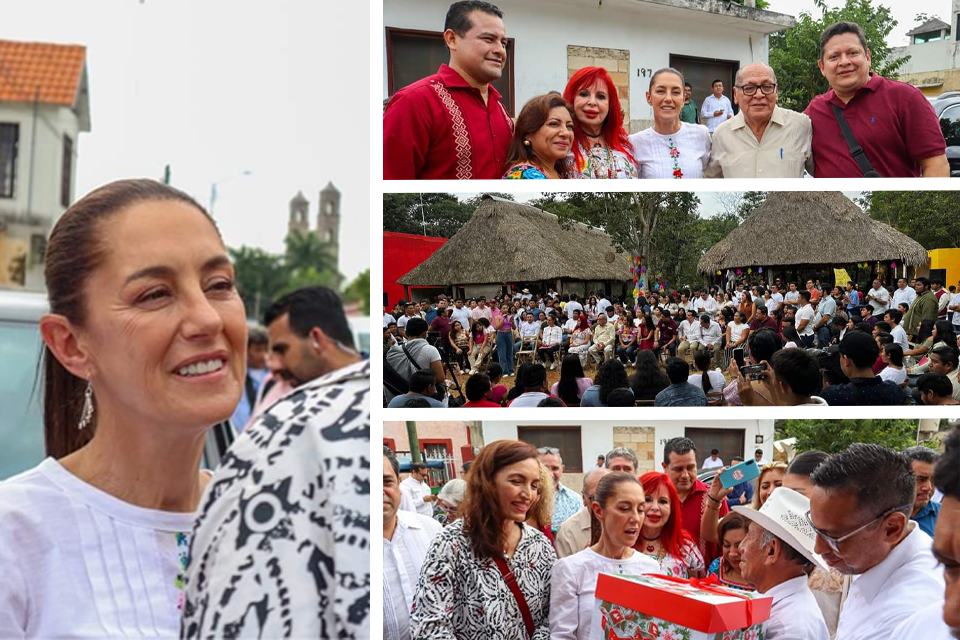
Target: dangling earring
{"type": "Point", "coordinates": [86, 416]}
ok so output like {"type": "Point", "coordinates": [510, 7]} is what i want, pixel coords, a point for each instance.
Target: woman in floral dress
{"type": "Point", "coordinates": [462, 592]}
{"type": "Point", "coordinates": [601, 147]}
{"type": "Point", "coordinates": [662, 536]}
{"type": "Point", "coordinates": [731, 530]}
{"type": "Point", "coordinates": [670, 148]}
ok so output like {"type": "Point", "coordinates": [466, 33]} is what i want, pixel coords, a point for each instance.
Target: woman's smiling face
{"type": "Point", "coordinates": [166, 330]}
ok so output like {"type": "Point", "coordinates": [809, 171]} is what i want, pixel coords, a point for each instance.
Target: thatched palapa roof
{"type": "Point", "coordinates": [511, 242]}
{"type": "Point", "coordinates": [805, 227]}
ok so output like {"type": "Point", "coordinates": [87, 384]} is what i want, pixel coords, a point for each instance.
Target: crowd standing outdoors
{"type": "Point", "coordinates": [859, 545]}
{"type": "Point", "coordinates": [120, 532]}
{"type": "Point", "coordinates": [751, 344]}
{"type": "Point", "coordinates": [452, 125]}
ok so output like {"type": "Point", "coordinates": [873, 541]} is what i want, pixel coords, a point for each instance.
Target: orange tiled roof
{"type": "Point", "coordinates": [55, 68]}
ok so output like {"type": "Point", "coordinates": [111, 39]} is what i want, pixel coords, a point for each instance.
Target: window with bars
{"type": "Point", "coordinates": [567, 439]}
{"type": "Point", "coordinates": [67, 171]}
{"type": "Point", "coordinates": [9, 142]}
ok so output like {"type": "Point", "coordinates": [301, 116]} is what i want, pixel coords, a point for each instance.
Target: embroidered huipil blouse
{"type": "Point", "coordinates": [600, 162]}
{"type": "Point", "coordinates": [463, 597]}
{"type": "Point", "coordinates": [684, 154]}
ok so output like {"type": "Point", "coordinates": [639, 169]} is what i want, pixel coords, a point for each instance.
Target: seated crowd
{"type": "Point", "coordinates": [846, 545]}
{"type": "Point", "coordinates": [751, 344]}
{"type": "Point", "coordinates": [452, 125]}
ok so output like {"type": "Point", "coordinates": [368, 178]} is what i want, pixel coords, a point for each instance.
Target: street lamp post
{"type": "Point", "coordinates": [213, 186]}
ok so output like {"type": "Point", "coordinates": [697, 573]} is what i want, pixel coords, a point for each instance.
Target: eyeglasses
{"type": "Point", "coordinates": [546, 450]}
{"type": "Point", "coordinates": [751, 89]}
{"type": "Point", "coordinates": [834, 543]}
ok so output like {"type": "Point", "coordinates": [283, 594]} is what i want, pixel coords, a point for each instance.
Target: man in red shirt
{"type": "Point", "coordinates": [666, 336]}
{"type": "Point", "coordinates": [451, 125]}
{"type": "Point", "coordinates": [680, 464]}
{"type": "Point", "coordinates": [893, 122]}
{"type": "Point", "coordinates": [761, 319]}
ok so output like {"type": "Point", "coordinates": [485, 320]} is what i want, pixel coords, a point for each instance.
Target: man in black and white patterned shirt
{"type": "Point", "coordinates": [281, 548]}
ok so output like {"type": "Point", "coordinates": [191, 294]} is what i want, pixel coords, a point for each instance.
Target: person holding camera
{"type": "Point", "coordinates": [858, 352]}
{"type": "Point", "coordinates": [416, 354]}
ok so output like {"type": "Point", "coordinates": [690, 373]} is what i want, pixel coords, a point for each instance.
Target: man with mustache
{"type": "Point", "coordinates": [763, 140]}
{"type": "Point", "coordinates": [406, 538]}
{"type": "Point", "coordinates": [925, 510]}
{"type": "Point", "coordinates": [894, 125]}
{"type": "Point", "coordinates": [451, 125]}
{"type": "Point", "coordinates": [859, 507]}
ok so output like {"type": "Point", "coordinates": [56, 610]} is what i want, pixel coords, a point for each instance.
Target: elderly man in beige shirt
{"type": "Point", "coordinates": [763, 140]}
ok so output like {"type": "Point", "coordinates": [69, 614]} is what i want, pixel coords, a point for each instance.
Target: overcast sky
{"type": "Point", "coordinates": [903, 10]}
{"type": "Point", "coordinates": [216, 88]}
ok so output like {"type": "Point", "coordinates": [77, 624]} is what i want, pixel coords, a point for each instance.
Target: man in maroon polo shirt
{"type": "Point", "coordinates": [451, 125]}
{"type": "Point", "coordinates": [666, 336]}
{"type": "Point", "coordinates": [893, 122]}
{"type": "Point", "coordinates": [680, 464]}
{"type": "Point", "coordinates": [762, 319]}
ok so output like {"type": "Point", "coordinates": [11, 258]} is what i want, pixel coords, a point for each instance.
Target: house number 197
{"type": "Point", "coordinates": [644, 73]}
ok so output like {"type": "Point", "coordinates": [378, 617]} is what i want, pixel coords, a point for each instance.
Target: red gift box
{"type": "Point", "coordinates": [676, 600]}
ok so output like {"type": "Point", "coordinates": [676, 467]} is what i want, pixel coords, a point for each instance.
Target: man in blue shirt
{"type": "Point", "coordinates": [852, 299]}
{"type": "Point", "coordinates": [925, 510]}
{"type": "Point", "coordinates": [742, 493]}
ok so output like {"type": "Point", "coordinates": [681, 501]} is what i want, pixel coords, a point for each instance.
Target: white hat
{"type": "Point", "coordinates": [526, 291]}
{"type": "Point", "coordinates": [784, 514]}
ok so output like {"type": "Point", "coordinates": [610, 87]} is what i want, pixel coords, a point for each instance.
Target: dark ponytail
{"type": "Point", "coordinates": [702, 360]}
{"type": "Point", "coordinates": [74, 252]}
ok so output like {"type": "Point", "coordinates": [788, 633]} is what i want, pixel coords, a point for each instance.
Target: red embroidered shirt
{"type": "Point", "coordinates": [892, 121]}
{"type": "Point", "coordinates": [691, 511]}
{"type": "Point", "coordinates": [439, 128]}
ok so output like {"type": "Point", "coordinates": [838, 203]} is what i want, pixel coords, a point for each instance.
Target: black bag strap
{"type": "Point", "coordinates": [859, 155]}
{"type": "Point", "coordinates": [410, 357]}
{"type": "Point", "coordinates": [511, 581]}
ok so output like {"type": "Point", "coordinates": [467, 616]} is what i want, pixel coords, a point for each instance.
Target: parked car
{"type": "Point", "coordinates": [947, 108]}
{"type": "Point", "coordinates": [21, 390]}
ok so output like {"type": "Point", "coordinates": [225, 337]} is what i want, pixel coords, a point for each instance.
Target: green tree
{"type": "Point", "coordinates": [359, 290]}
{"type": "Point", "coordinates": [834, 436]}
{"type": "Point", "coordinates": [432, 214]}
{"type": "Point", "coordinates": [306, 250]}
{"type": "Point", "coordinates": [929, 217]}
{"type": "Point", "coordinates": [260, 276]}
{"type": "Point", "coordinates": [794, 53]}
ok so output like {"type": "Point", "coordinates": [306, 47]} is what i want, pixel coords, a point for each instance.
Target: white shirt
{"type": "Point", "coordinates": [653, 152]}
{"type": "Point", "coordinates": [529, 399]}
{"type": "Point", "coordinates": [570, 325]}
{"type": "Point", "coordinates": [792, 296]}
{"type": "Point", "coordinates": [908, 294]}
{"type": "Point", "coordinates": [415, 490]}
{"type": "Point", "coordinates": [529, 329]}
{"type": "Point", "coordinates": [805, 312]}
{"type": "Point", "coordinates": [463, 315]}
{"type": "Point", "coordinates": [927, 624]}
{"type": "Point", "coordinates": [889, 593]}
{"type": "Point", "coordinates": [710, 463]}
{"type": "Point", "coordinates": [900, 337]}
{"type": "Point", "coordinates": [79, 563]}
{"type": "Point", "coordinates": [551, 335]}
{"type": "Point", "coordinates": [572, 306]}
{"type": "Point", "coordinates": [709, 306]}
{"type": "Point", "coordinates": [711, 334]}
{"type": "Point", "coordinates": [402, 558]}
{"type": "Point", "coordinates": [736, 332]}
{"type": "Point", "coordinates": [717, 381]}
{"type": "Point", "coordinates": [573, 585]}
{"type": "Point", "coordinates": [712, 103]}
{"type": "Point", "coordinates": [896, 376]}
{"type": "Point", "coordinates": [795, 614]}
{"type": "Point", "coordinates": [387, 319]}
{"type": "Point", "coordinates": [602, 305]}
{"type": "Point", "coordinates": [771, 306]}
{"type": "Point", "coordinates": [883, 300]}
{"type": "Point", "coordinates": [690, 331]}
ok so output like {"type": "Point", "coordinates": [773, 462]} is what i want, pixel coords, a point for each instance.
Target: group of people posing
{"type": "Point", "coordinates": [841, 543]}
{"type": "Point", "coordinates": [451, 125]}
{"type": "Point", "coordinates": [822, 345]}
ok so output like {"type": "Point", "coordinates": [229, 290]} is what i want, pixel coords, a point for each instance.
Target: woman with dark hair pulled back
{"type": "Point", "coordinates": [144, 350]}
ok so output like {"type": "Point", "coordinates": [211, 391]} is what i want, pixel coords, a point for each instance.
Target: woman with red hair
{"type": "Point", "coordinates": [601, 148]}
{"type": "Point", "coordinates": [662, 536]}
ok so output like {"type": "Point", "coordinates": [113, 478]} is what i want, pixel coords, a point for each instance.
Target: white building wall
{"type": "Point", "coordinates": [596, 436]}
{"type": "Point", "coordinates": [929, 56]}
{"type": "Point", "coordinates": [543, 29]}
{"type": "Point", "coordinates": [44, 203]}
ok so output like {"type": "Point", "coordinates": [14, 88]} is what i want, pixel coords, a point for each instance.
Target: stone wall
{"type": "Point", "coordinates": [640, 440]}
{"type": "Point", "coordinates": [615, 61]}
